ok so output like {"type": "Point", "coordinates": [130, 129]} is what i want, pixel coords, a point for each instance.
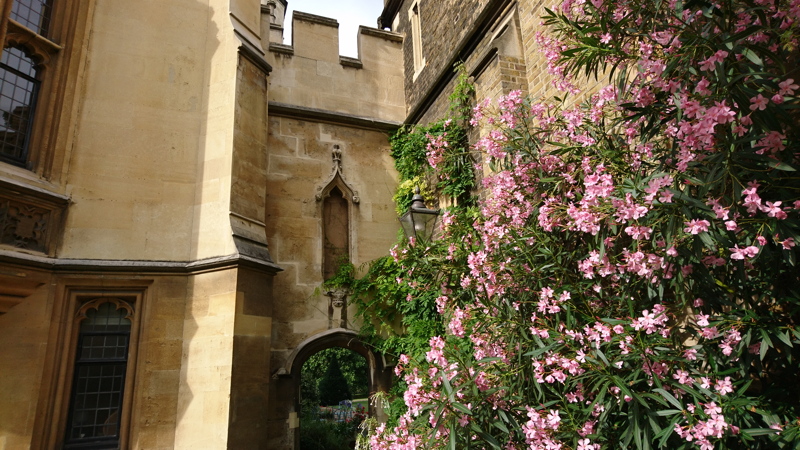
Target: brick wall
{"type": "Point", "coordinates": [503, 56]}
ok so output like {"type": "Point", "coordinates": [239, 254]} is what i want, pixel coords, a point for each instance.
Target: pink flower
{"type": "Point", "coordinates": [638, 232]}
{"type": "Point", "coordinates": [709, 332]}
{"type": "Point", "coordinates": [774, 210]}
{"type": "Point", "coordinates": [787, 87]}
{"type": "Point", "coordinates": [724, 386]}
{"type": "Point", "coordinates": [758, 102]}
{"type": "Point", "coordinates": [708, 64]}
{"type": "Point", "coordinates": [742, 253]}
{"type": "Point", "coordinates": [696, 226]}
{"type": "Point", "coordinates": [682, 376]}
{"type": "Point", "coordinates": [606, 38]}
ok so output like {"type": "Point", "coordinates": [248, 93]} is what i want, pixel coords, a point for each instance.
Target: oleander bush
{"type": "Point", "coordinates": [629, 277]}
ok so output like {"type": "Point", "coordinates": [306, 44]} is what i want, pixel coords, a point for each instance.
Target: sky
{"type": "Point", "coordinates": [349, 13]}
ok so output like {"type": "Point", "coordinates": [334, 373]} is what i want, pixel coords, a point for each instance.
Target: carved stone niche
{"type": "Point", "coordinates": [30, 219]}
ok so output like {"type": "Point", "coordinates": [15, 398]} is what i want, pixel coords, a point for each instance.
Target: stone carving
{"type": "Point", "coordinates": [39, 48]}
{"type": "Point", "coordinates": [338, 296]}
{"type": "Point", "coordinates": [338, 303]}
{"type": "Point", "coordinates": [23, 226]}
{"type": "Point", "coordinates": [30, 219]}
{"type": "Point", "coordinates": [336, 179]}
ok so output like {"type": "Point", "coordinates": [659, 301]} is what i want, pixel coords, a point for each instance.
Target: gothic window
{"type": "Point", "coordinates": [99, 372]}
{"type": "Point", "coordinates": [29, 48]}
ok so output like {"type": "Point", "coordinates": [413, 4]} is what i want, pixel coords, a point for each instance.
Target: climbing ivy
{"type": "Point", "coordinates": [438, 154]}
{"type": "Point", "coordinates": [400, 317]}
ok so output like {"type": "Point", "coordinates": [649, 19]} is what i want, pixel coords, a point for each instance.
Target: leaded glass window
{"type": "Point", "coordinates": [33, 14]}
{"type": "Point", "coordinates": [18, 88]}
{"type": "Point", "coordinates": [99, 378]}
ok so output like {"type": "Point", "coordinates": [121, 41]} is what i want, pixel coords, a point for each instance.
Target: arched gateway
{"type": "Point", "coordinates": [287, 378]}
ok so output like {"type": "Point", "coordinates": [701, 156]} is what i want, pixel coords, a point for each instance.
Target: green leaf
{"type": "Point", "coordinates": [462, 408]}
{"type": "Point", "coordinates": [780, 166]}
{"type": "Point", "coordinates": [669, 397]}
{"type": "Point", "coordinates": [784, 337]}
{"type": "Point", "coordinates": [758, 431]}
{"type": "Point", "coordinates": [486, 437]}
{"type": "Point", "coordinates": [751, 55]}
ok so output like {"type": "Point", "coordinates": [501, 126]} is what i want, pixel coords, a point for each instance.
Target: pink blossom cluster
{"type": "Point", "coordinates": [437, 144]}
{"type": "Point", "coordinates": [714, 426]}
{"type": "Point", "coordinates": [539, 428]}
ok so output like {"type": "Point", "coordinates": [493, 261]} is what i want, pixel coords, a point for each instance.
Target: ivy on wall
{"type": "Point", "coordinates": [400, 317]}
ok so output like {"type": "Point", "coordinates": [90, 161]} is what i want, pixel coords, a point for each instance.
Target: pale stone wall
{"type": "Point", "coordinates": [133, 171]}
{"type": "Point", "coordinates": [169, 139]}
{"type": "Point", "coordinates": [155, 413]}
{"type": "Point", "coordinates": [319, 100]}
{"type": "Point", "coordinates": [205, 379]}
{"type": "Point", "coordinates": [23, 344]}
{"type": "Point", "coordinates": [300, 161]}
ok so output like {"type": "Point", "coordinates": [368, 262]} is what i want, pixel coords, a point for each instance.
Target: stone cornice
{"type": "Point", "coordinates": [68, 265]}
{"type": "Point", "coordinates": [338, 118]}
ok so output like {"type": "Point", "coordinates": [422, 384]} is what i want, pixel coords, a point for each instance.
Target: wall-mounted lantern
{"type": "Point", "coordinates": [419, 222]}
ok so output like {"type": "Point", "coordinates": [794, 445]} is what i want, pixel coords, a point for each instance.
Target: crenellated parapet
{"type": "Point", "coordinates": [310, 74]}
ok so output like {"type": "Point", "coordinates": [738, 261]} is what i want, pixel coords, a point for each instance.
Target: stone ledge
{"type": "Point", "coordinates": [338, 118]}
{"type": "Point", "coordinates": [313, 18]}
{"type": "Point", "coordinates": [256, 58]}
{"type": "Point", "coordinates": [388, 35]}
{"type": "Point", "coordinates": [281, 48]}
{"type": "Point", "coordinates": [347, 61]}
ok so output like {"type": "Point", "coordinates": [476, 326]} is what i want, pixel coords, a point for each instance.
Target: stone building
{"type": "Point", "coordinates": [175, 185]}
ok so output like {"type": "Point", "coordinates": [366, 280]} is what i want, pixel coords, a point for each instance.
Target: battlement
{"type": "Point", "coordinates": [317, 37]}
{"type": "Point", "coordinates": [310, 73]}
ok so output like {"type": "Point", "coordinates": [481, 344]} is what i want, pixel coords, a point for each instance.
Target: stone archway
{"type": "Point", "coordinates": [379, 374]}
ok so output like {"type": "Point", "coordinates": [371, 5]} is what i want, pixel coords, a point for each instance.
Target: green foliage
{"type": "Point", "coordinates": [408, 150]}
{"type": "Point", "coordinates": [344, 276]}
{"type": "Point", "coordinates": [462, 97]}
{"type": "Point", "coordinates": [400, 317]}
{"type": "Point", "coordinates": [333, 386]}
{"type": "Point", "coordinates": [316, 434]}
{"type": "Point", "coordinates": [443, 144]}
{"type": "Point", "coordinates": [405, 192]}
{"type": "Point", "coordinates": [351, 365]}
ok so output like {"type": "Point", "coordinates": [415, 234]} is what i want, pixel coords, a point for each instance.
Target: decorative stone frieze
{"type": "Point", "coordinates": [30, 219]}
